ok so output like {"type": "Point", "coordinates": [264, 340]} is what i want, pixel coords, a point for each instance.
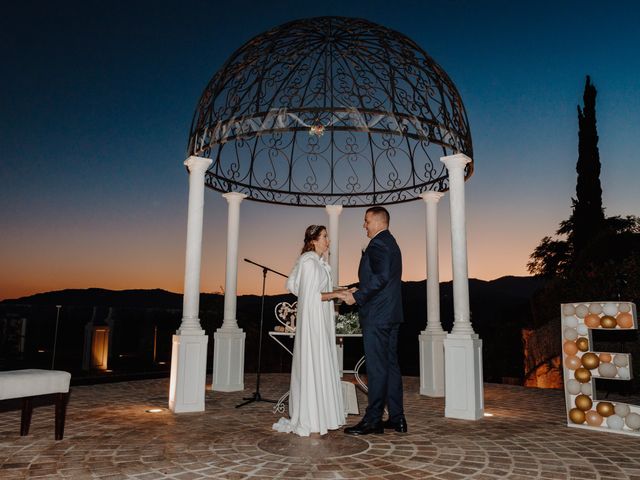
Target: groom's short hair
{"type": "Point", "coordinates": [380, 212]}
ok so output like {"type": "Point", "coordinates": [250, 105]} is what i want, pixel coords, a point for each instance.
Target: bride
{"type": "Point", "coordinates": [315, 394]}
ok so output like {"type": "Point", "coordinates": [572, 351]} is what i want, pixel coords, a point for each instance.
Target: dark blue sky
{"type": "Point", "coordinates": [97, 97]}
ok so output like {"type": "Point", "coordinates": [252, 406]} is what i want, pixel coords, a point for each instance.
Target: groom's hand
{"type": "Point", "coordinates": [348, 298]}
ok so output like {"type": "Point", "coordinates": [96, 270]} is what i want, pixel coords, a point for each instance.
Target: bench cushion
{"type": "Point", "coordinates": [31, 382]}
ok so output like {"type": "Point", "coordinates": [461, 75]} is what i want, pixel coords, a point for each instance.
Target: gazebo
{"type": "Point", "coordinates": [330, 112]}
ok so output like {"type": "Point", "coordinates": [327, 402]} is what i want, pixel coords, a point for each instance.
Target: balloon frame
{"type": "Point", "coordinates": [570, 399]}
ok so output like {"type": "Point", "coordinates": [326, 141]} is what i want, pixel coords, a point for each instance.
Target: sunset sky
{"type": "Point", "coordinates": [97, 97]}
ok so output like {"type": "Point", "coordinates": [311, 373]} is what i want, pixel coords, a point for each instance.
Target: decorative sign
{"type": "Point", "coordinates": [286, 314]}
{"type": "Point", "coordinates": [581, 365]}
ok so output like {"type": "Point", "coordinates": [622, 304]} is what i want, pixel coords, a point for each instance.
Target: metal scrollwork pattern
{"type": "Point", "coordinates": [330, 110]}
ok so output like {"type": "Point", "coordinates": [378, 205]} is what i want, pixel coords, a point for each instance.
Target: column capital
{"type": "Point", "coordinates": [459, 160]}
{"type": "Point", "coordinates": [432, 197]}
{"type": "Point", "coordinates": [234, 197]}
{"type": "Point", "coordinates": [197, 163]}
{"type": "Point", "coordinates": [334, 209]}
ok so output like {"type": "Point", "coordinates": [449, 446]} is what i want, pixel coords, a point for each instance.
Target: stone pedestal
{"type": "Point", "coordinates": [228, 360]}
{"type": "Point", "coordinates": [188, 373]}
{"type": "Point", "coordinates": [463, 385]}
{"type": "Point", "coordinates": [432, 364]}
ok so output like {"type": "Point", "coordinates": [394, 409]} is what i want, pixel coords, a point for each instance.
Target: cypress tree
{"type": "Point", "coordinates": [587, 219]}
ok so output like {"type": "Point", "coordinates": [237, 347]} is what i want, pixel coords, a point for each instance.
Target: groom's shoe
{"type": "Point", "coordinates": [399, 425]}
{"type": "Point", "coordinates": [364, 428]}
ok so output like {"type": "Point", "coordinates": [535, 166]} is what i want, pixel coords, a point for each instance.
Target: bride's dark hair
{"type": "Point", "coordinates": [311, 233]}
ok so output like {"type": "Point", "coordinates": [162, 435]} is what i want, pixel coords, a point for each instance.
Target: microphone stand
{"type": "Point", "coordinates": [256, 397]}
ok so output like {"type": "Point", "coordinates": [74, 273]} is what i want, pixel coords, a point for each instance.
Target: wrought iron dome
{"type": "Point", "coordinates": [330, 110]}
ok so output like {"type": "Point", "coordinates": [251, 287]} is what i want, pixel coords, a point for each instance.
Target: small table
{"type": "Point", "coordinates": [279, 407]}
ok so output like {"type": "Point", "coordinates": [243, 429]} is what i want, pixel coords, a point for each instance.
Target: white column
{"type": "Point", "coordinates": [334, 212]}
{"type": "Point", "coordinates": [432, 338]}
{"type": "Point", "coordinates": [228, 347]}
{"type": "Point", "coordinates": [189, 349]}
{"type": "Point", "coordinates": [462, 347]}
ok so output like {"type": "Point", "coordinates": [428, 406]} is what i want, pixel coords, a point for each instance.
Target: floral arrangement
{"type": "Point", "coordinates": [348, 323]}
{"type": "Point", "coordinates": [317, 130]}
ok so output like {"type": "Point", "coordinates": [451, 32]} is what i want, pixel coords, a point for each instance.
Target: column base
{"type": "Point", "coordinates": [228, 360]}
{"type": "Point", "coordinates": [432, 363]}
{"type": "Point", "coordinates": [188, 373]}
{"type": "Point", "coordinates": [463, 377]}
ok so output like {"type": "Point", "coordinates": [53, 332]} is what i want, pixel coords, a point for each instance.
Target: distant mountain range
{"type": "Point", "coordinates": [499, 310]}
{"type": "Point", "coordinates": [509, 286]}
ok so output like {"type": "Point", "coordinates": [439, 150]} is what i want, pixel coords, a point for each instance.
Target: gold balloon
{"type": "Point", "coordinates": [582, 375]}
{"type": "Point", "coordinates": [576, 415]}
{"type": "Point", "coordinates": [583, 344]}
{"type": "Point", "coordinates": [584, 403]}
{"type": "Point", "coordinates": [605, 409]}
{"type": "Point", "coordinates": [590, 360]}
{"type": "Point", "coordinates": [608, 322]}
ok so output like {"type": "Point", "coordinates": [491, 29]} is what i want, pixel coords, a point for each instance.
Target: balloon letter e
{"type": "Point", "coordinates": [581, 365]}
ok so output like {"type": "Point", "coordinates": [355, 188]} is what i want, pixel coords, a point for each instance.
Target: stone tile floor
{"type": "Point", "coordinates": [110, 436]}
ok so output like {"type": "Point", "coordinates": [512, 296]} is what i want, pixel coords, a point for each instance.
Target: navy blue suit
{"type": "Point", "coordinates": [379, 297]}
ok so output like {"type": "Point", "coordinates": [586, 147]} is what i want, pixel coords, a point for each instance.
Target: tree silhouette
{"type": "Point", "coordinates": [587, 236]}
{"type": "Point", "coordinates": [591, 256]}
{"type": "Point", "coordinates": [587, 218]}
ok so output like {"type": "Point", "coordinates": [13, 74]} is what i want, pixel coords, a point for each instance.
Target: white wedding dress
{"type": "Point", "coordinates": [315, 395]}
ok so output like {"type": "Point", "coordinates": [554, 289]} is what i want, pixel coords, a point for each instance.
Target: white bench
{"type": "Point", "coordinates": [30, 383]}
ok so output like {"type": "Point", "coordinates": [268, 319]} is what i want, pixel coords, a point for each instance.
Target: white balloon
{"type": "Point", "coordinates": [633, 421]}
{"type": "Point", "coordinates": [621, 360]}
{"type": "Point", "coordinates": [582, 311]}
{"type": "Point", "coordinates": [595, 308]}
{"type": "Point", "coordinates": [615, 422]}
{"type": "Point", "coordinates": [622, 409]}
{"type": "Point", "coordinates": [585, 389]}
{"type": "Point", "coordinates": [607, 370]}
{"type": "Point", "coordinates": [568, 309]}
{"type": "Point", "coordinates": [582, 329]}
{"type": "Point", "coordinates": [624, 307]}
{"type": "Point", "coordinates": [571, 322]}
{"type": "Point", "coordinates": [623, 372]}
{"type": "Point", "coordinates": [570, 333]}
{"type": "Point", "coordinates": [573, 386]}
{"type": "Point", "coordinates": [610, 309]}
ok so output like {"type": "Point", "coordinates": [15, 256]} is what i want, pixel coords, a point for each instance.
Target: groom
{"type": "Point", "coordinates": [379, 297]}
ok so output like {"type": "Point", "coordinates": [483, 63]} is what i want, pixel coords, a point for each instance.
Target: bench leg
{"type": "Point", "coordinates": [25, 421]}
{"type": "Point", "coordinates": [61, 412]}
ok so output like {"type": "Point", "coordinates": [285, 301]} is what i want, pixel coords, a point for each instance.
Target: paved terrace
{"type": "Point", "coordinates": [110, 436]}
